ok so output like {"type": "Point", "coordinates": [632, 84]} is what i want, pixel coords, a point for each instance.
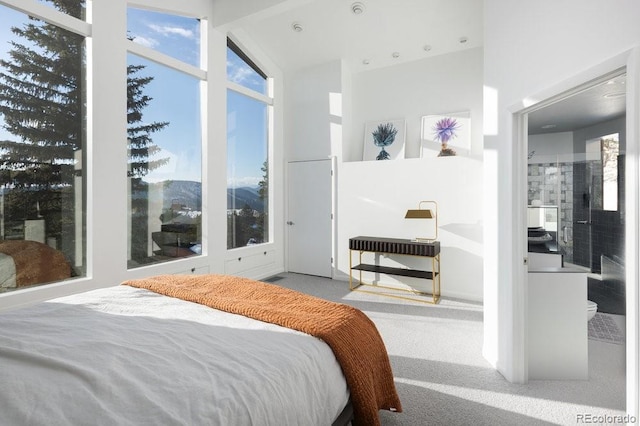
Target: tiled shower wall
{"type": "Point", "coordinates": [566, 185]}
{"type": "Point", "coordinates": [604, 236]}
{"type": "Point", "coordinates": [552, 184]}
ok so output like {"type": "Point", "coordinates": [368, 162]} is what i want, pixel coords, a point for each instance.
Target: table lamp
{"type": "Point", "coordinates": [425, 213]}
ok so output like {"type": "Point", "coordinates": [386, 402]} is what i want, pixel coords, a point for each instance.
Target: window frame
{"type": "Point", "coordinates": [200, 73]}
{"type": "Point", "coordinates": [106, 158]}
{"type": "Point", "coordinates": [268, 100]}
{"type": "Point", "coordinates": [52, 16]}
{"type": "Point", "coordinates": [83, 28]}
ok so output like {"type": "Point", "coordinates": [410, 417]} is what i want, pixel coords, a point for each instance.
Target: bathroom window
{"type": "Point", "coordinates": [610, 152]}
{"type": "Point", "coordinates": [604, 152]}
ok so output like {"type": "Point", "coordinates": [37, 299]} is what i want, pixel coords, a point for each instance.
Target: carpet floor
{"type": "Point", "coordinates": [443, 379]}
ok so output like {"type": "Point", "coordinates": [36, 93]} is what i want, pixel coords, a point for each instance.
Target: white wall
{"type": "Point", "coordinates": [549, 147]}
{"type": "Point", "coordinates": [373, 196]}
{"type": "Point", "coordinates": [533, 48]}
{"type": "Point", "coordinates": [314, 108]}
{"type": "Point", "coordinates": [327, 107]}
{"type": "Point", "coordinates": [438, 85]}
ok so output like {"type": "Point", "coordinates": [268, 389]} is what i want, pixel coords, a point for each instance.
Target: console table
{"type": "Point", "coordinates": [430, 250]}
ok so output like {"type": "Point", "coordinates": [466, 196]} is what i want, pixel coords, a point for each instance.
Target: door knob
{"type": "Point", "coordinates": [289, 223]}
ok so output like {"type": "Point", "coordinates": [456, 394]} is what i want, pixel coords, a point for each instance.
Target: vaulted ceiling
{"type": "Point", "coordinates": [369, 34]}
{"type": "Point", "coordinates": [365, 34]}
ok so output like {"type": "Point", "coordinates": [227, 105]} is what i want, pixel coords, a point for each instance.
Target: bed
{"type": "Point", "coordinates": [192, 350]}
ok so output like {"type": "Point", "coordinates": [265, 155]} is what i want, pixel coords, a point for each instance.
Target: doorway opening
{"type": "Point", "coordinates": [576, 179]}
{"type": "Point", "coordinates": [576, 151]}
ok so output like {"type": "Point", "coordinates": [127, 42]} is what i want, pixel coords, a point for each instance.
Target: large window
{"type": "Point", "coordinates": [164, 139]}
{"type": "Point", "coordinates": [65, 93]}
{"type": "Point", "coordinates": [42, 144]}
{"type": "Point", "coordinates": [248, 109]}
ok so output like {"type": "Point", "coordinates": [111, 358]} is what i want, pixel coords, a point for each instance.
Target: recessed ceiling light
{"type": "Point", "coordinates": [357, 8]}
{"type": "Point", "coordinates": [427, 47]}
{"type": "Point", "coordinates": [548, 126]}
{"type": "Point", "coordinates": [366, 62]}
{"type": "Point", "coordinates": [296, 26]}
{"type": "Point", "coordinates": [395, 54]}
{"type": "Point", "coordinates": [463, 40]}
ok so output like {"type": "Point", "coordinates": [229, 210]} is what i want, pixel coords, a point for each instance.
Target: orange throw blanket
{"type": "Point", "coordinates": [352, 336]}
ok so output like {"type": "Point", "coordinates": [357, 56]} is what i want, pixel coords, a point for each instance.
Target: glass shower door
{"type": "Point", "coordinates": [598, 224]}
{"type": "Point", "coordinates": [583, 193]}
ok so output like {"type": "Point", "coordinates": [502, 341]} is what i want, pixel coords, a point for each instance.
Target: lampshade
{"type": "Point", "coordinates": [425, 213]}
{"type": "Point", "coordinates": [419, 214]}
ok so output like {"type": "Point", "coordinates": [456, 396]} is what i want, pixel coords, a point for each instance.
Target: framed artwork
{"type": "Point", "coordinates": [446, 134]}
{"type": "Point", "coordinates": [384, 140]}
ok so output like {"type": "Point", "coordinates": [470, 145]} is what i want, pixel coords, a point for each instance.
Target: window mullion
{"type": "Point", "coordinates": [249, 93]}
{"type": "Point", "coordinates": [52, 16]}
{"type": "Point", "coordinates": [166, 60]}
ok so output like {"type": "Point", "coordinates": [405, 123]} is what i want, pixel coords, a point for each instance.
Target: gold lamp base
{"type": "Point", "coordinates": [423, 240]}
{"type": "Point", "coordinates": [427, 213]}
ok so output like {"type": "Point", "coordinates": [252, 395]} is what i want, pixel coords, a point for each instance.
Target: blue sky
{"type": "Point", "coordinates": [246, 126]}
{"type": "Point", "coordinates": [175, 95]}
{"type": "Point", "coordinates": [176, 98]}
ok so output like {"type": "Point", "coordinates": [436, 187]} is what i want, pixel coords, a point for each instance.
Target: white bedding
{"type": "Point", "coordinates": [127, 356]}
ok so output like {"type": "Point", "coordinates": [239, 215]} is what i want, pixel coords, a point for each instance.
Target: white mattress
{"type": "Point", "coordinates": [126, 356]}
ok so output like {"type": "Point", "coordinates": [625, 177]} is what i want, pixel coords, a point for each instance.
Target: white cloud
{"type": "Point", "coordinates": [167, 30]}
{"type": "Point", "coordinates": [240, 73]}
{"type": "Point", "coordinates": [144, 41]}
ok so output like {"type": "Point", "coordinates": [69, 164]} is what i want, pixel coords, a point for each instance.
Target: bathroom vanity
{"type": "Point", "coordinates": [557, 334]}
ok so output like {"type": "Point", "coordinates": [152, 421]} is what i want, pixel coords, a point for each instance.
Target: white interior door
{"type": "Point", "coordinates": [309, 220]}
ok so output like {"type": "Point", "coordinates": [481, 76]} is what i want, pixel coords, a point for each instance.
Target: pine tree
{"type": "Point", "coordinates": [246, 227]}
{"type": "Point", "coordinates": [42, 105]}
{"type": "Point", "coordinates": [41, 101]}
{"type": "Point", "coordinates": [263, 192]}
{"type": "Point", "coordinates": [141, 148]}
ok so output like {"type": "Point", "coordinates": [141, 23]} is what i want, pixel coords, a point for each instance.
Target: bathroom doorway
{"type": "Point", "coordinates": [627, 65]}
{"type": "Point", "coordinates": [576, 179]}
{"type": "Point", "coordinates": [576, 145]}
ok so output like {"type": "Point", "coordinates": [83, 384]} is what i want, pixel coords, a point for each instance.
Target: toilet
{"type": "Point", "coordinates": [592, 308]}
